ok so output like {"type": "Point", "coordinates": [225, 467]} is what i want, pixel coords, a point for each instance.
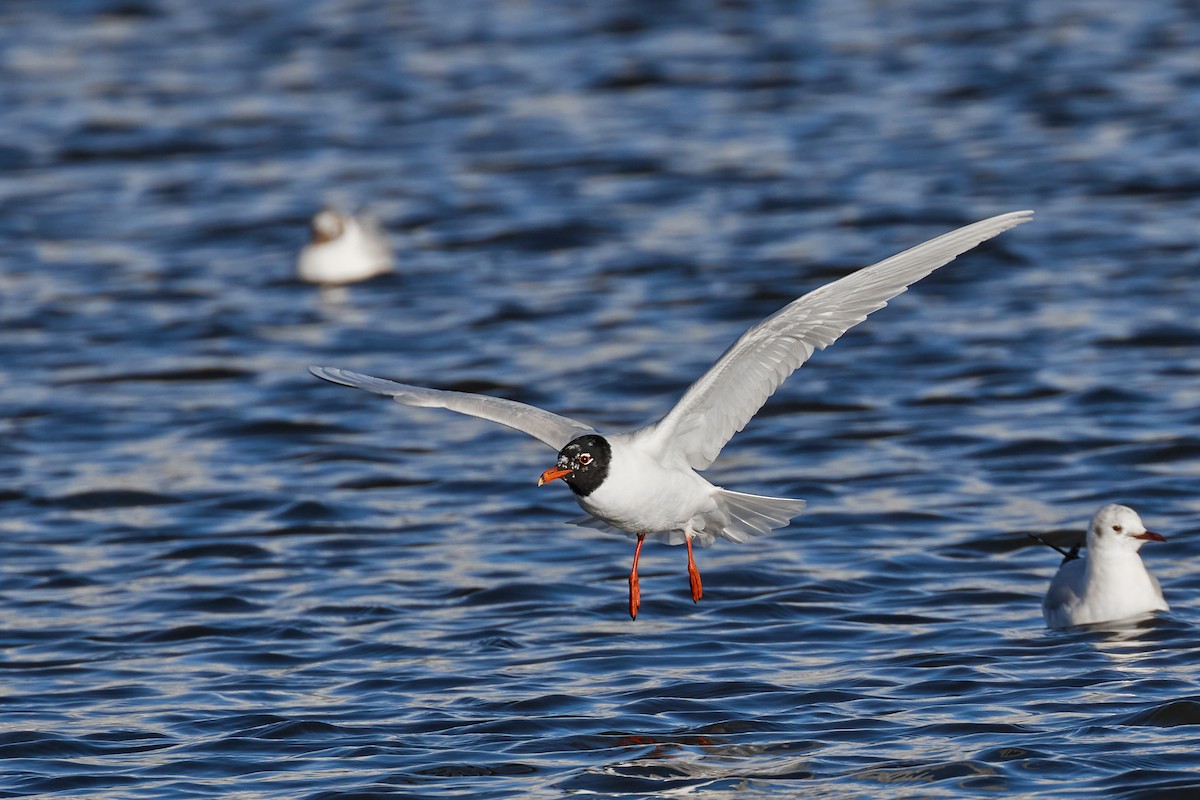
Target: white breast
{"type": "Point", "coordinates": [353, 256]}
{"type": "Point", "coordinates": [1088, 591]}
{"type": "Point", "coordinates": [641, 495]}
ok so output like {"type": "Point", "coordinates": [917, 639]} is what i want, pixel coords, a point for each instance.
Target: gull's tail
{"type": "Point", "coordinates": [738, 518]}
{"type": "Point", "coordinates": [751, 515]}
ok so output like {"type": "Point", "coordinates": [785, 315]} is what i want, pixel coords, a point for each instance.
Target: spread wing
{"type": "Point", "coordinates": [550, 428]}
{"type": "Point", "coordinates": [726, 397]}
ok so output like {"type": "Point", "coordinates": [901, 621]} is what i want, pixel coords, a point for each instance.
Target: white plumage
{"type": "Point", "coordinates": [646, 482]}
{"type": "Point", "coordinates": [726, 397]}
{"type": "Point", "coordinates": [343, 249]}
{"type": "Point", "coordinates": [1110, 584]}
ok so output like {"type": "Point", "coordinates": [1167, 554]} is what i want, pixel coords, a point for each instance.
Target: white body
{"type": "Point", "coordinates": [645, 493]}
{"type": "Point", "coordinates": [642, 494]}
{"type": "Point", "coordinates": [1111, 583]}
{"type": "Point", "coordinates": [343, 250]}
{"type": "Point", "coordinates": [652, 485]}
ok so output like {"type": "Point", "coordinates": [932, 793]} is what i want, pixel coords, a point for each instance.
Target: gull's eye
{"type": "Point", "coordinates": [585, 459]}
{"type": "Point", "coordinates": [1116, 529]}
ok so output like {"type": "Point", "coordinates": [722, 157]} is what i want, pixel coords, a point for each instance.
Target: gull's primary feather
{"type": "Point", "coordinates": [725, 398]}
{"type": "Point", "coordinates": [544, 426]}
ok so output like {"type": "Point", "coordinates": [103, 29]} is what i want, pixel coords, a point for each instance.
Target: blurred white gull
{"type": "Point", "coordinates": [343, 249]}
{"type": "Point", "coordinates": [1112, 582]}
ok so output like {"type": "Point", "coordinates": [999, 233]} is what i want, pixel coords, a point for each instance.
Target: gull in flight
{"type": "Point", "coordinates": [646, 482]}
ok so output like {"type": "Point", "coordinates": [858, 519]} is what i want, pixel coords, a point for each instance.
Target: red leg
{"type": "Point", "coordinates": [635, 591]}
{"type": "Point", "coordinates": [694, 575]}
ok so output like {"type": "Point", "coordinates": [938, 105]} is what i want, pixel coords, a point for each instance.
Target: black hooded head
{"type": "Point", "coordinates": [588, 458]}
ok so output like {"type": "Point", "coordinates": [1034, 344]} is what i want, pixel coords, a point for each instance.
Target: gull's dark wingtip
{"type": "Point", "coordinates": [1068, 555]}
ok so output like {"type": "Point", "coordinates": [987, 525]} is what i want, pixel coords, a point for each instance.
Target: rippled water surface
{"type": "Point", "coordinates": [220, 577]}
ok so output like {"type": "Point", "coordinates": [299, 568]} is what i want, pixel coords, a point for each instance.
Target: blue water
{"type": "Point", "coordinates": [220, 577]}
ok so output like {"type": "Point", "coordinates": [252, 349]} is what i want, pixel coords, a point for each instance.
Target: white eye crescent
{"type": "Point", "coordinates": [585, 459]}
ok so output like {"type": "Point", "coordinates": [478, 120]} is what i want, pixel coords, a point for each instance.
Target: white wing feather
{"type": "Point", "coordinates": [549, 428]}
{"type": "Point", "coordinates": [725, 398]}
{"type": "Point", "coordinates": [1066, 588]}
